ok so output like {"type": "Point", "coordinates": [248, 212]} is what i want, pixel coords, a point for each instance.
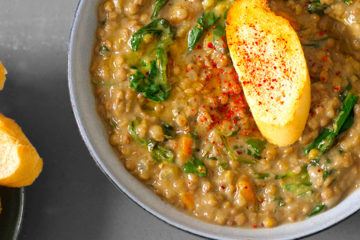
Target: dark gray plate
{"type": "Point", "coordinates": [12, 202]}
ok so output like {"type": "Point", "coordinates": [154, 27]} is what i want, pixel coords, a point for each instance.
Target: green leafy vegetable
{"type": "Point", "coordinates": [345, 92]}
{"type": "Point", "coordinates": [104, 51]}
{"type": "Point", "coordinates": [327, 137]}
{"type": "Point", "coordinates": [168, 130]}
{"type": "Point", "coordinates": [315, 6]}
{"type": "Point", "coordinates": [317, 209]}
{"type": "Point", "coordinates": [162, 154]}
{"type": "Point", "coordinates": [204, 22]}
{"type": "Point", "coordinates": [315, 43]}
{"type": "Point", "coordinates": [327, 172]}
{"type": "Point", "coordinates": [256, 146]}
{"type": "Point", "coordinates": [196, 166]}
{"type": "Point", "coordinates": [280, 201]}
{"type": "Point", "coordinates": [233, 155]}
{"type": "Point", "coordinates": [158, 152]}
{"type": "Point", "coordinates": [219, 30]}
{"type": "Point", "coordinates": [260, 175]}
{"type": "Point", "coordinates": [159, 4]}
{"type": "Point", "coordinates": [299, 189]}
{"type": "Point", "coordinates": [299, 184]}
{"type": "Point", "coordinates": [155, 86]}
{"type": "Point", "coordinates": [224, 165]}
{"type": "Point", "coordinates": [349, 122]}
{"type": "Point", "coordinates": [114, 123]}
{"type": "Point", "coordinates": [347, 2]}
{"type": "Point", "coordinates": [159, 27]}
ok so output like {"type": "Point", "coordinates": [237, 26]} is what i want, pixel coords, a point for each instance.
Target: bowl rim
{"type": "Point", "coordinates": [333, 215]}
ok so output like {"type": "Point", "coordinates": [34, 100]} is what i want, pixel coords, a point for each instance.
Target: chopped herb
{"type": "Point", "coordinates": [159, 4]}
{"type": "Point", "coordinates": [196, 166]}
{"type": "Point", "coordinates": [347, 2]}
{"type": "Point", "coordinates": [341, 151]}
{"type": "Point", "coordinates": [280, 201]}
{"type": "Point", "coordinates": [317, 209]}
{"type": "Point", "coordinates": [104, 51]}
{"type": "Point", "coordinates": [256, 146]}
{"type": "Point", "coordinates": [212, 158]}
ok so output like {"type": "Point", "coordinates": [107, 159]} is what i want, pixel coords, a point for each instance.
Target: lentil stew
{"type": "Point", "coordinates": [175, 111]}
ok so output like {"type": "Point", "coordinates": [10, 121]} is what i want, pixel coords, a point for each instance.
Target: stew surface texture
{"type": "Point", "coordinates": [176, 114]}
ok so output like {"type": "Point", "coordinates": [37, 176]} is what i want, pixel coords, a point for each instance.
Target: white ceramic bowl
{"type": "Point", "coordinates": [93, 132]}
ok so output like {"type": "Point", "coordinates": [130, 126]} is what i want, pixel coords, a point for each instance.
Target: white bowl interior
{"type": "Point", "coordinates": [96, 139]}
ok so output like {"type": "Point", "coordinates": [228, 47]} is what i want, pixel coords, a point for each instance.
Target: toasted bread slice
{"type": "Point", "coordinates": [20, 163]}
{"type": "Point", "coordinates": [271, 66]}
{"type": "Point", "coordinates": [2, 76]}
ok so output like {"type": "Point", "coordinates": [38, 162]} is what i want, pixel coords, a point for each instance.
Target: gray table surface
{"type": "Point", "coordinates": [71, 199]}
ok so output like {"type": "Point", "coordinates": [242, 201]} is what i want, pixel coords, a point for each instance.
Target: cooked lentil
{"type": "Point", "coordinates": [198, 147]}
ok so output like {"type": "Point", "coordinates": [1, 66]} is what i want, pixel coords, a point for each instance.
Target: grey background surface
{"type": "Point", "coordinates": [72, 199]}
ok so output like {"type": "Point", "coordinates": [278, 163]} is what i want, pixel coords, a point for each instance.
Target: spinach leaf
{"type": "Point", "coordinates": [256, 146]}
{"type": "Point", "coordinates": [315, 43]}
{"type": "Point", "coordinates": [196, 166]}
{"type": "Point", "coordinates": [315, 6]}
{"type": "Point", "coordinates": [168, 130]}
{"type": "Point", "coordinates": [260, 175]}
{"type": "Point", "coordinates": [204, 22]}
{"type": "Point", "coordinates": [299, 189]}
{"type": "Point", "coordinates": [159, 27]}
{"type": "Point", "coordinates": [233, 155]}
{"type": "Point", "coordinates": [224, 165]}
{"type": "Point", "coordinates": [317, 209]}
{"type": "Point", "coordinates": [158, 152]}
{"type": "Point", "coordinates": [327, 137]}
{"type": "Point", "coordinates": [280, 201]}
{"type": "Point", "coordinates": [299, 184]}
{"type": "Point", "coordinates": [162, 154]}
{"type": "Point", "coordinates": [159, 4]}
{"type": "Point", "coordinates": [104, 51]}
{"type": "Point", "coordinates": [155, 86]}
